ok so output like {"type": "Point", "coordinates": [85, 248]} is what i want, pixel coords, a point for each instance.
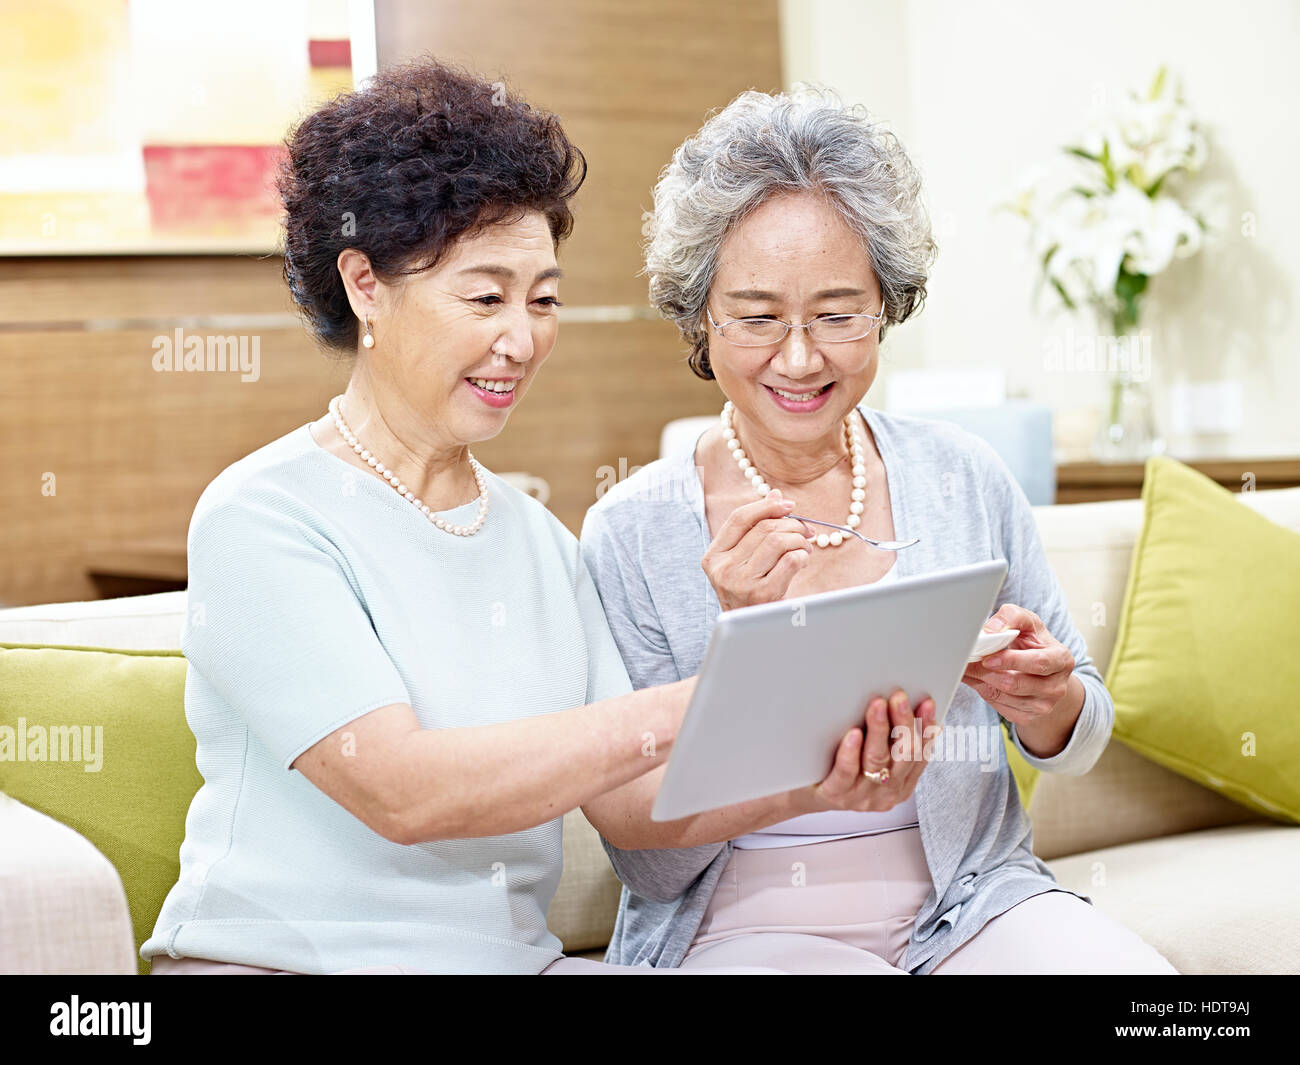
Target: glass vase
{"type": "Point", "coordinates": [1128, 430]}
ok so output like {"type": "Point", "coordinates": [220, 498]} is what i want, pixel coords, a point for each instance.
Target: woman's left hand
{"type": "Point", "coordinates": [1028, 680]}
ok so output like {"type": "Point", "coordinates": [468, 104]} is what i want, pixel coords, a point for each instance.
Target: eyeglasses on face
{"type": "Point", "coordinates": [829, 328]}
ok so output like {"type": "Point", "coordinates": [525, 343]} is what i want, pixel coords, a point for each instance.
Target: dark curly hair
{"type": "Point", "coordinates": [426, 153]}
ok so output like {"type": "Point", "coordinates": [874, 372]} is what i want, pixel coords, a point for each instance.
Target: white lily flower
{"type": "Point", "coordinates": [1091, 229]}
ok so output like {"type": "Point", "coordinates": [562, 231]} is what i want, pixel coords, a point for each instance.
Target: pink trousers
{"type": "Point", "coordinates": [846, 906]}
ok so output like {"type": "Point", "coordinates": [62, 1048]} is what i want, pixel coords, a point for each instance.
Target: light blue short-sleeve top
{"type": "Point", "coordinates": [318, 594]}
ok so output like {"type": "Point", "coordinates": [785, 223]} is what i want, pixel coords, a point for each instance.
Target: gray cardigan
{"type": "Point", "coordinates": [643, 541]}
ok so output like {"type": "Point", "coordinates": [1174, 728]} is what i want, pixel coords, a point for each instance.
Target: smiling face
{"type": "Point", "coordinates": [464, 340]}
{"type": "Point", "coordinates": [795, 259]}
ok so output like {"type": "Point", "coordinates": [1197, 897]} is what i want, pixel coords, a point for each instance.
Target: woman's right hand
{"type": "Point", "coordinates": [756, 553]}
{"type": "Point", "coordinates": [846, 788]}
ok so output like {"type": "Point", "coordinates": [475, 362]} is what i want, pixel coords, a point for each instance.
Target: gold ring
{"type": "Point", "coordinates": [876, 777]}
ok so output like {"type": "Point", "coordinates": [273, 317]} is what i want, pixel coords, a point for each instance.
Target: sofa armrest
{"type": "Point", "coordinates": [62, 907]}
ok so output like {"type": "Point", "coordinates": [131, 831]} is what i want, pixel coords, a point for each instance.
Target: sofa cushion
{"type": "Point", "coordinates": [1090, 547]}
{"type": "Point", "coordinates": [586, 902]}
{"type": "Point", "coordinates": [1204, 671]}
{"type": "Point", "coordinates": [1122, 799]}
{"type": "Point", "coordinates": [1222, 900]}
{"type": "Point", "coordinates": [129, 788]}
{"type": "Point", "coordinates": [135, 623]}
{"type": "Point", "coordinates": [133, 808]}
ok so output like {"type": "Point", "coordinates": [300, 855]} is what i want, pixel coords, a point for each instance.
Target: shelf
{"type": "Point", "coordinates": [1087, 482]}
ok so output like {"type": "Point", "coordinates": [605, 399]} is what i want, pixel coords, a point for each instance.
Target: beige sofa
{"type": "Point", "coordinates": [1208, 882]}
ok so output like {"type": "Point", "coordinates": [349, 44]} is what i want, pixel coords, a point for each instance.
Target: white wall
{"type": "Point", "coordinates": [978, 91]}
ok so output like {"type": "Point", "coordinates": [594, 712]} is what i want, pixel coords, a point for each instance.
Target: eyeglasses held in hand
{"type": "Point", "coordinates": [829, 328]}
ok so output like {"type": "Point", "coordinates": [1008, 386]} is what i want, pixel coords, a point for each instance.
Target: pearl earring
{"type": "Point", "coordinates": [368, 340]}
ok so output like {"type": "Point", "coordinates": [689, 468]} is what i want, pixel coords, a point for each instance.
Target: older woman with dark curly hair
{"type": "Point", "coordinates": [788, 235]}
{"type": "Point", "coordinates": [400, 676]}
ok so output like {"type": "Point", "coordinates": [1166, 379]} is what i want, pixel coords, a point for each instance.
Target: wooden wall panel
{"type": "Point", "coordinates": [629, 80]}
{"type": "Point", "coordinates": [603, 396]}
{"type": "Point", "coordinates": [132, 449]}
{"type": "Point", "coordinates": [72, 290]}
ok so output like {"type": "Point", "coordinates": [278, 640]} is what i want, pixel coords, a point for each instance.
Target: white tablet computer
{"type": "Point", "coordinates": [782, 683]}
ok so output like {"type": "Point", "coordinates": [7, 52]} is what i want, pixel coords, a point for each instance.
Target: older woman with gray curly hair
{"type": "Point", "coordinates": [788, 236]}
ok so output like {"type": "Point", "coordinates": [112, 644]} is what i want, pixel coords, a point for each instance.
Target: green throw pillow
{"type": "Point", "coordinates": [1205, 671]}
{"type": "Point", "coordinates": [129, 788]}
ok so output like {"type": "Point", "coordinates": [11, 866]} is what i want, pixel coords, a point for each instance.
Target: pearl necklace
{"type": "Point", "coordinates": [856, 450]}
{"type": "Point", "coordinates": [402, 490]}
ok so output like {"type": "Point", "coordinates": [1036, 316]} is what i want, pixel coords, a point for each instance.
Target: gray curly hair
{"type": "Point", "coordinates": [759, 145]}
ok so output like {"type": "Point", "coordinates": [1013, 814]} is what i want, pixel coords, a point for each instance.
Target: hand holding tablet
{"type": "Point", "coordinates": [782, 682]}
{"type": "Point", "coordinates": [864, 776]}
